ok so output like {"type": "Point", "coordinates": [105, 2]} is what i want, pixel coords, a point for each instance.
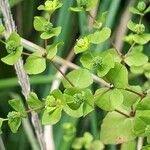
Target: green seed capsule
{"type": "Point", "coordinates": [11, 46]}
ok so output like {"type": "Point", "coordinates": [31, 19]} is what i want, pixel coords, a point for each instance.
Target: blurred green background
{"type": "Point", "coordinates": [73, 26]}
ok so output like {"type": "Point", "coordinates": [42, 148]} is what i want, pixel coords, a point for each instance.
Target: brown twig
{"type": "Point", "coordinates": [122, 113]}
{"type": "Point", "coordinates": [22, 76]}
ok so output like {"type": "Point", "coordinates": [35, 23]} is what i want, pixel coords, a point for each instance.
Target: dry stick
{"type": "Point", "coordinates": [122, 29]}
{"type": "Point", "coordinates": [22, 76]}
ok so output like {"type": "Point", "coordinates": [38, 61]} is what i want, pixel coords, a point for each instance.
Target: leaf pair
{"type": "Point", "coordinates": [50, 6]}
{"type": "Point", "coordinates": [14, 48]}
{"type": "Point", "coordinates": [84, 5]}
{"type": "Point", "coordinates": [36, 62]}
{"type": "Point", "coordinates": [15, 117]}
{"type": "Point", "coordinates": [95, 38]}
{"type": "Point", "coordinates": [44, 26]}
{"type": "Point", "coordinates": [101, 64]}
{"type": "Point", "coordinates": [79, 99]}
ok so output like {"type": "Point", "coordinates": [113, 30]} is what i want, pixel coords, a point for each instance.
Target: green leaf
{"type": "Point", "coordinates": [100, 36]}
{"type": "Point", "coordinates": [116, 129]}
{"type": "Point", "coordinates": [33, 101]}
{"type": "Point", "coordinates": [106, 64]}
{"type": "Point", "coordinates": [14, 37]}
{"type": "Point", "coordinates": [54, 32]}
{"type": "Point", "coordinates": [144, 104]}
{"type": "Point", "coordinates": [35, 63]}
{"type": "Point", "coordinates": [81, 78]}
{"type": "Point", "coordinates": [147, 10]}
{"type": "Point", "coordinates": [86, 60]}
{"type": "Point", "coordinates": [141, 38]}
{"type": "Point", "coordinates": [2, 29]}
{"type": "Point", "coordinates": [14, 120]}
{"type": "Point", "coordinates": [52, 49]}
{"type": "Point", "coordinates": [135, 11]}
{"type": "Point", "coordinates": [39, 23]}
{"type": "Point", "coordinates": [137, 69]}
{"type": "Point", "coordinates": [13, 57]}
{"type": "Point", "coordinates": [108, 99]}
{"type": "Point", "coordinates": [118, 76]}
{"type": "Point", "coordinates": [131, 25]}
{"type": "Point", "coordinates": [97, 145]}
{"type": "Point", "coordinates": [82, 45]}
{"type": "Point", "coordinates": [87, 137]}
{"type": "Point", "coordinates": [91, 4]}
{"type": "Point", "coordinates": [142, 126]}
{"type": "Point", "coordinates": [78, 143]}
{"type": "Point", "coordinates": [136, 59]}
{"type": "Point", "coordinates": [17, 105]}
{"type": "Point", "coordinates": [129, 145]}
{"type": "Point", "coordinates": [76, 9]}
{"type": "Point", "coordinates": [1, 122]}
{"type": "Point", "coordinates": [51, 117]}
{"type": "Point", "coordinates": [77, 98]}
{"type": "Point", "coordinates": [131, 98]}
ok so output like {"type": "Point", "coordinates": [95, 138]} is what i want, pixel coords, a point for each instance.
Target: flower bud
{"type": "Point", "coordinates": [139, 28]}
{"type": "Point", "coordinates": [11, 46]}
{"type": "Point", "coordinates": [141, 6]}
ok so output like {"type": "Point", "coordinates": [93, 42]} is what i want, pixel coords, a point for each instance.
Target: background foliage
{"type": "Point", "coordinates": [73, 25]}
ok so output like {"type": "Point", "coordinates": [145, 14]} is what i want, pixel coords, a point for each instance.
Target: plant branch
{"type": "Point", "coordinates": [130, 49]}
{"type": "Point", "coordinates": [122, 113]}
{"type": "Point", "coordinates": [62, 73]}
{"type": "Point", "coordinates": [22, 76]}
{"type": "Point", "coordinates": [32, 47]}
{"type": "Point", "coordinates": [132, 91]}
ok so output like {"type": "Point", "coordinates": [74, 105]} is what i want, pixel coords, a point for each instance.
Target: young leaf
{"type": "Point", "coordinates": [81, 78]}
{"type": "Point", "coordinates": [18, 106]}
{"type": "Point", "coordinates": [136, 59]}
{"type": "Point", "coordinates": [108, 99]}
{"type": "Point", "coordinates": [35, 63]}
{"type": "Point", "coordinates": [106, 64]}
{"type": "Point", "coordinates": [135, 11]}
{"type": "Point", "coordinates": [116, 129]}
{"type": "Point", "coordinates": [39, 23]}
{"type": "Point", "coordinates": [118, 76]}
{"type": "Point", "coordinates": [52, 49]}
{"type": "Point", "coordinates": [14, 120]}
{"type": "Point", "coordinates": [33, 101]}
{"type": "Point", "coordinates": [100, 36]}
{"type": "Point", "coordinates": [81, 45]}
{"type": "Point", "coordinates": [13, 57]}
{"type": "Point", "coordinates": [51, 117]}
{"type": "Point", "coordinates": [49, 34]}
{"type": "Point", "coordinates": [141, 38]}
{"type": "Point", "coordinates": [131, 25]}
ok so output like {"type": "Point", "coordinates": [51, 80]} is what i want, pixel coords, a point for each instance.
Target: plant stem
{"type": "Point", "coordinates": [93, 18]}
{"type": "Point", "coordinates": [130, 49]}
{"type": "Point", "coordinates": [118, 52]}
{"type": "Point", "coordinates": [132, 91]}
{"type": "Point", "coordinates": [62, 73]}
{"type": "Point", "coordinates": [122, 113]}
{"type": "Point", "coordinates": [2, 41]}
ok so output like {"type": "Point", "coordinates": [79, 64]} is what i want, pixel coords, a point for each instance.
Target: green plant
{"type": "Point", "coordinates": [127, 105]}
